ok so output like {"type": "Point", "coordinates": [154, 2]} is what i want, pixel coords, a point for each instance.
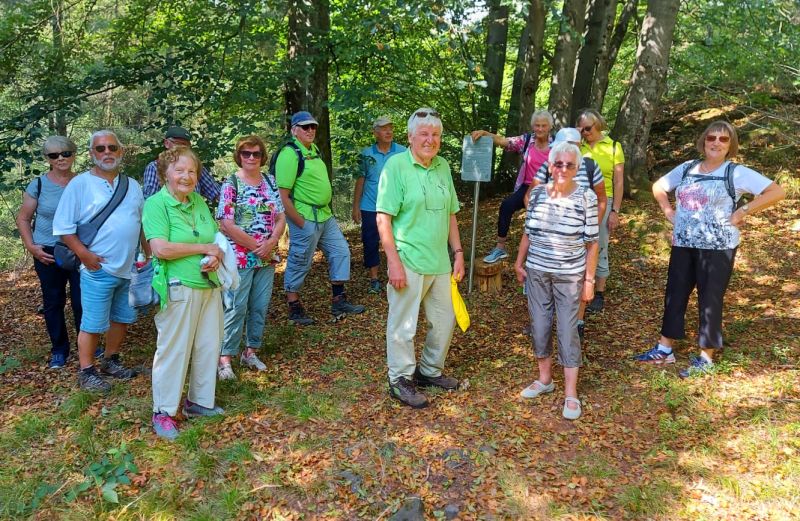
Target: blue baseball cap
{"type": "Point", "coordinates": [303, 118]}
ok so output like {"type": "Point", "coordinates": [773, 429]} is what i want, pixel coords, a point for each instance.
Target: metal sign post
{"type": "Point", "coordinates": [474, 234]}
{"type": "Point", "coordinates": [476, 165]}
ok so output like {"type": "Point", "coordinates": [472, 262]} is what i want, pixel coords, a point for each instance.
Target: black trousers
{"type": "Point", "coordinates": [508, 208]}
{"type": "Point", "coordinates": [707, 270]}
{"type": "Point", "coordinates": [53, 281]}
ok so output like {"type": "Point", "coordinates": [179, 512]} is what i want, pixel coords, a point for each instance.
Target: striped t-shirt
{"type": "Point", "coordinates": [558, 230]}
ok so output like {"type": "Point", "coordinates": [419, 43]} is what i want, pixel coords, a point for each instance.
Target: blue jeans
{"type": "Point", "coordinates": [250, 301]}
{"type": "Point", "coordinates": [53, 281]}
{"type": "Point", "coordinates": [303, 243]}
{"type": "Point", "coordinates": [104, 298]}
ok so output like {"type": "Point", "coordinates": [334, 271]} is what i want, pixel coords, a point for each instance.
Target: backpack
{"type": "Point", "coordinates": [728, 178]}
{"type": "Point", "coordinates": [301, 161]}
{"type": "Point", "coordinates": [591, 166]}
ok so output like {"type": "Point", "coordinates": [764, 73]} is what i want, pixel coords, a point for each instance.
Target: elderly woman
{"type": "Point", "coordinates": [40, 200]}
{"type": "Point", "coordinates": [181, 232]}
{"type": "Point", "coordinates": [534, 147]}
{"type": "Point", "coordinates": [608, 155]}
{"type": "Point", "coordinates": [417, 207]}
{"type": "Point", "coordinates": [556, 261]}
{"type": "Point", "coordinates": [250, 214]}
{"type": "Point", "coordinates": [704, 239]}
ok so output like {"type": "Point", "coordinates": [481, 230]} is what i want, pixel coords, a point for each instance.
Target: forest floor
{"type": "Point", "coordinates": [317, 436]}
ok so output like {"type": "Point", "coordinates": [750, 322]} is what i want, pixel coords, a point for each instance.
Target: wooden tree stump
{"type": "Point", "coordinates": [489, 276]}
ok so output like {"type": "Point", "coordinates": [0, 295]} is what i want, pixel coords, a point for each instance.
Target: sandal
{"type": "Point", "coordinates": [571, 414]}
{"type": "Point", "coordinates": [537, 388]}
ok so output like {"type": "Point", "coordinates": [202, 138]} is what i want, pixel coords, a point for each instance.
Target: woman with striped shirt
{"type": "Point", "coordinates": [556, 261]}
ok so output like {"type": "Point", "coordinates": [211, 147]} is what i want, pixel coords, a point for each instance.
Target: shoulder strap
{"type": "Point", "coordinates": [689, 166]}
{"type": "Point", "coordinates": [301, 161]}
{"type": "Point", "coordinates": [729, 180]}
{"type": "Point", "coordinates": [591, 166]}
{"type": "Point", "coordinates": [527, 143]}
{"type": "Point", "coordinates": [38, 187]}
{"type": "Point", "coordinates": [119, 194]}
{"type": "Point", "coordinates": [269, 182]}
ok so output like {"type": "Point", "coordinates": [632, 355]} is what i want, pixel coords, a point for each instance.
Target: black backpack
{"type": "Point", "coordinates": [301, 161]}
{"type": "Point", "coordinates": [591, 166]}
{"type": "Point", "coordinates": [728, 178]}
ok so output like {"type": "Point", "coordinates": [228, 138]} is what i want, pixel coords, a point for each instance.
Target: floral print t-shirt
{"type": "Point", "coordinates": [253, 209]}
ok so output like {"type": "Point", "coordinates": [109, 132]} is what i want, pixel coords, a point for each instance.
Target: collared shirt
{"type": "Point", "coordinates": [532, 160]}
{"type": "Point", "coordinates": [420, 201]}
{"type": "Point", "coordinates": [371, 162]}
{"type": "Point", "coordinates": [84, 197]}
{"type": "Point", "coordinates": [606, 153]}
{"type": "Point", "coordinates": [312, 188]}
{"type": "Point", "coordinates": [168, 219]}
{"type": "Point", "coordinates": [206, 185]}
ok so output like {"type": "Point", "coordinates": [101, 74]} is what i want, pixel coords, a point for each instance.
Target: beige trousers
{"type": "Point", "coordinates": [433, 292]}
{"type": "Point", "coordinates": [189, 330]}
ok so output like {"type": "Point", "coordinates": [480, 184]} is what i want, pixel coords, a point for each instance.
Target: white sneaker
{"type": "Point", "coordinates": [571, 414]}
{"type": "Point", "coordinates": [537, 388]}
{"type": "Point", "coordinates": [252, 362]}
{"type": "Point", "coordinates": [225, 372]}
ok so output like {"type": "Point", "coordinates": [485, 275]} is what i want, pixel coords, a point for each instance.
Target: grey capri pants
{"type": "Point", "coordinates": [556, 294]}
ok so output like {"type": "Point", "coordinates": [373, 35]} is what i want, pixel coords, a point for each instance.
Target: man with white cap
{"type": "Point", "coordinates": [365, 194]}
{"type": "Point", "coordinates": [306, 194]}
{"type": "Point", "coordinates": [589, 175]}
{"type": "Point", "coordinates": [206, 185]}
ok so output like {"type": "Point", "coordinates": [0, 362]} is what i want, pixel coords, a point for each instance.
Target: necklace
{"type": "Point", "coordinates": [703, 169]}
{"type": "Point", "coordinates": [193, 223]}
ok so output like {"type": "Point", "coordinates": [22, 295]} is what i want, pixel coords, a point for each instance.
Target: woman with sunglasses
{"type": "Point", "coordinates": [705, 237]}
{"type": "Point", "coordinates": [608, 155]}
{"type": "Point", "coordinates": [40, 200]}
{"type": "Point", "coordinates": [181, 231]}
{"type": "Point", "coordinates": [251, 215]}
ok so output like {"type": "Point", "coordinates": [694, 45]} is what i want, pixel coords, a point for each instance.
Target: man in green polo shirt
{"type": "Point", "coordinates": [306, 195]}
{"type": "Point", "coordinates": [416, 208]}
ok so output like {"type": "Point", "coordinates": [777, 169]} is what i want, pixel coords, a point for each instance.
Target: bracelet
{"type": "Point", "coordinates": [615, 211]}
{"type": "Point", "coordinates": [458, 251]}
{"type": "Point", "coordinates": [590, 281]}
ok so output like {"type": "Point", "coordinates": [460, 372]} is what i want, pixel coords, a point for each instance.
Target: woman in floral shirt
{"type": "Point", "coordinates": [251, 215]}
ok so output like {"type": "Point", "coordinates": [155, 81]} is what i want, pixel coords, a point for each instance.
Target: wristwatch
{"type": "Point", "coordinates": [746, 208]}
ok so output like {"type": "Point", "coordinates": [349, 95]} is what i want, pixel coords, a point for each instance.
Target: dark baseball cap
{"type": "Point", "coordinates": [178, 133]}
{"type": "Point", "coordinates": [303, 118]}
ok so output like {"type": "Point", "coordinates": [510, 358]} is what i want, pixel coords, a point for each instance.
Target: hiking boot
{"type": "Point", "coordinates": [374, 287]}
{"type": "Point", "coordinates": [495, 255]}
{"type": "Point", "coordinates": [297, 315]}
{"type": "Point", "coordinates": [341, 307]}
{"type": "Point", "coordinates": [405, 391]}
{"type": "Point", "coordinates": [252, 361]}
{"type": "Point", "coordinates": [112, 366]}
{"type": "Point", "coordinates": [448, 383]}
{"type": "Point", "coordinates": [656, 356]}
{"type": "Point", "coordinates": [193, 410]}
{"type": "Point", "coordinates": [164, 425]}
{"type": "Point", "coordinates": [698, 366]}
{"type": "Point", "coordinates": [90, 380]}
{"type": "Point", "coordinates": [225, 372]}
{"type": "Point", "coordinates": [597, 304]}
{"type": "Point", "coordinates": [57, 361]}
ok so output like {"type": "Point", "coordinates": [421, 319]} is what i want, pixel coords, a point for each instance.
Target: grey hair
{"type": "Point", "coordinates": [103, 133]}
{"type": "Point", "coordinates": [565, 147]}
{"type": "Point", "coordinates": [60, 143]}
{"type": "Point", "coordinates": [542, 114]}
{"type": "Point", "coordinates": [430, 119]}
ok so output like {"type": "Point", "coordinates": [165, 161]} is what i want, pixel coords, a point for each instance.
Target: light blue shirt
{"type": "Point", "coordinates": [370, 168]}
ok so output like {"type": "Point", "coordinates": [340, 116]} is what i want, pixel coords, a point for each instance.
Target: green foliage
{"type": "Point", "coordinates": [106, 474]}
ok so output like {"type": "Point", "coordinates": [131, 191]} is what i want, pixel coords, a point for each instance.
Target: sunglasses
{"type": "Point", "coordinates": [424, 114]}
{"type": "Point", "coordinates": [587, 129]}
{"type": "Point", "coordinates": [247, 154]}
{"type": "Point", "coordinates": [102, 148]}
{"type": "Point", "coordinates": [560, 164]}
{"type": "Point", "coordinates": [722, 139]}
{"type": "Point", "coordinates": [56, 155]}
{"type": "Point", "coordinates": [309, 126]}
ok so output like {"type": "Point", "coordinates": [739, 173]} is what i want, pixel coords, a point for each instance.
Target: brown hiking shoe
{"type": "Point", "coordinates": [405, 391]}
{"type": "Point", "coordinates": [448, 383]}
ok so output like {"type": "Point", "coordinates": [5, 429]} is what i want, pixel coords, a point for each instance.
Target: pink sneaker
{"type": "Point", "coordinates": [164, 425]}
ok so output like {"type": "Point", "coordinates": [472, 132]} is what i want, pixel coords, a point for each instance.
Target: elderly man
{"type": "Point", "coordinates": [371, 163]}
{"type": "Point", "coordinates": [105, 262]}
{"type": "Point", "coordinates": [206, 185]}
{"type": "Point", "coordinates": [416, 207]}
{"type": "Point", "coordinates": [306, 193]}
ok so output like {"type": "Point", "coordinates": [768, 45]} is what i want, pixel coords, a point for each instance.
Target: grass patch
{"type": "Point", "coordinates": [296, 401]}
{"type": "Point", "coordinates": [647, 500]}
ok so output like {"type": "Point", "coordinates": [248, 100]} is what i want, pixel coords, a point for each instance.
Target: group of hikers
{"type": "Point", "coordinates": [213, 249]}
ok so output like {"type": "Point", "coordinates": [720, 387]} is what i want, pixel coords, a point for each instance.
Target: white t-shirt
{"type": "Point", "coordinates": [704, 207]}
{"type": "Point", "coordinates": [116, 240]}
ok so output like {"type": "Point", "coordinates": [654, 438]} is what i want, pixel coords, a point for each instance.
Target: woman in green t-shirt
{"type": "Point", "coordinates": [181, 232]}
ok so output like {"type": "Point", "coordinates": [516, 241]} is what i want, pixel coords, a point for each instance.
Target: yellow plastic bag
{"type": "Point", "coordinates": [460, 309]}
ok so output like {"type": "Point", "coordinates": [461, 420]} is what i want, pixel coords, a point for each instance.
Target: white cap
{"type": "Point", "coordinates": [567, 134]}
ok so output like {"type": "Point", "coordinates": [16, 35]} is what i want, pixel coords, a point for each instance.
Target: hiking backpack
{"type": "Point", "coordinates": [728, 178]}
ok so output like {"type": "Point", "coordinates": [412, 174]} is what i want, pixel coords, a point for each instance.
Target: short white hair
{"type": "Point", "coordinates": [565, 147]}
{"type": "Point", "coordinates": [542, 114]}
{"type": "Point", "coordinates": [429, 120]}
{"type": "Point", "coordinates": [102, 133]}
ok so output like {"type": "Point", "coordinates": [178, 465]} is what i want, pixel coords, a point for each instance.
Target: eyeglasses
{"type": "Point", "coordinates": [56, 155]}
{"type": "Point", "coordinates": [710, 138]}
{"type": "Point", "coordinates": [587, 129]}
{"type": "Point", "coordinates": [247, 154]}
{"type": "Point", "coordinates": [424, 114]}
{"type": "Point", "coordinates": [561, 164]}
{"type": "Point", "coordinates": [102, 148]}
{"type": "Point", "coordinates": [309, 126]}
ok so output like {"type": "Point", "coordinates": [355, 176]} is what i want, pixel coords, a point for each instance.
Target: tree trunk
{"type": "Point", "coordinates": [307, 77]}
{"type": "Point", "coordinates": [496, 40]}
{"type": "Point", "coordinates": [595, 37]}
{"type": "Point", "coordinates": [646, 86]}
{"type": "Point", "coordinates": [569, 37]}
{"type": "Point", "coordinates": [609, 56]}
{"type": "Point", "coordinates": [59, 121]}
{"type": "Point", "coordinates": [523, 92]}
